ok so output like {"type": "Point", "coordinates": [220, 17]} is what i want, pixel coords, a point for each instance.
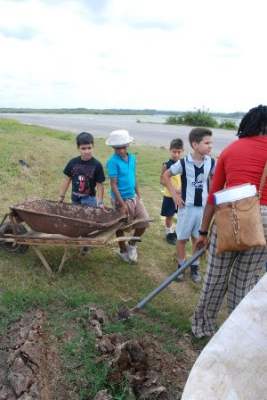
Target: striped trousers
{"type": "Point", "coordinates": [230, 273]}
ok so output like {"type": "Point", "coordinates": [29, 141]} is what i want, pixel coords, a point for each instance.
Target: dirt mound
{"type": "Point", "coordinates": [26, 361]}
{"type": "Point", "coordinates": [151, 373]}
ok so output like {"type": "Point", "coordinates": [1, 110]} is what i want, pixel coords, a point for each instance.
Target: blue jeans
{"type": "Point", "coordinates": [89, 201]}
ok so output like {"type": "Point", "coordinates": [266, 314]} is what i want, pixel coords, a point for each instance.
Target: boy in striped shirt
{"type": "Point", "coordinates": [195, 170]}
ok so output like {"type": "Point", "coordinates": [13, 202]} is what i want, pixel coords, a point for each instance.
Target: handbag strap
{"type": "Point", "coordinates": [235, 223]}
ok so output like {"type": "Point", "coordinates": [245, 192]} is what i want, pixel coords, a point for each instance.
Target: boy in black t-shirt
{"type": "Point", "coordinates": [86, 175]}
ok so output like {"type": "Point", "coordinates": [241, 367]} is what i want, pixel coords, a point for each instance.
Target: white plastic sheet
{"type": "Point", "coordinates": [233, 366]}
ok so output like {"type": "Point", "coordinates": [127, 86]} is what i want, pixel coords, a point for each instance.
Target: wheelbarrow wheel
{"type": "Point", "coordinates": [12, 247]}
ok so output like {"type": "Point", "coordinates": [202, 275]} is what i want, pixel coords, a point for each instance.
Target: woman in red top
{"type": "Point", "coordinates": [236, 273]}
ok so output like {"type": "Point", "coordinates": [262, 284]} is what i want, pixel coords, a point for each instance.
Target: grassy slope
{"type": "Point", "coordinates": [100, 277]}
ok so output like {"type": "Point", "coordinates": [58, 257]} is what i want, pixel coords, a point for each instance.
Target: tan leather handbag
{"type": "Point", "coordinates": [239, 225]}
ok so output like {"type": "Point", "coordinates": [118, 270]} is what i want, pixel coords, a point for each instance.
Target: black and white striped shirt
{"type": "Point", "coordinates": [195, 179]}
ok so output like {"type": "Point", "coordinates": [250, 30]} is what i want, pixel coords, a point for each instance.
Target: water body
{"type": "Point", "coordinates": [151, 130]}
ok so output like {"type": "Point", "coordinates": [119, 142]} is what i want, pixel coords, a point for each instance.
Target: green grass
{"type": "Point", "coordinates": [98, 278]}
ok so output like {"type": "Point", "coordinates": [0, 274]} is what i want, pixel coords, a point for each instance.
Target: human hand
{"type": "Point", "coordinates": [201, 242]}
{"type": "Point", "coordinates": [124, 208]}
{"type": "Point", "coordinates": [178, 201]}
{"type": "Point", "coordinates": [103, 208]}
{"type": "Point", "coordinates": [61, 199]}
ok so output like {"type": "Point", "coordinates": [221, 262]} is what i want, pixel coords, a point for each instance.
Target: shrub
{"type": "Point", "coordinates": [228, 124]}
{"type": "Point", "coordinates": [172, 120]}
{"type": "Point", "coordinates": [194, 118]}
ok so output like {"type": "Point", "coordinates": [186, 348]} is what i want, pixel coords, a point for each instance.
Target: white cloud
{"type": "Point", "coordinates": [132, 54]}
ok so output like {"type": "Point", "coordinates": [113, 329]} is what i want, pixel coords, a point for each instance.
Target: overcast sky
{"type": "Point", "coordinates": [162, 54]}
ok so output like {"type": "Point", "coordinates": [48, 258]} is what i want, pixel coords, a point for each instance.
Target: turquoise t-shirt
{"type": "Point", "coordinates": [125, 172]}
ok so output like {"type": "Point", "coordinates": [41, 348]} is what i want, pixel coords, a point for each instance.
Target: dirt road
{"type": "Point", "coordinates": [155, 134]}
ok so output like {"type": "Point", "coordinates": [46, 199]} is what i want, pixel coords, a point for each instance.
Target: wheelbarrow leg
{"type": "Point", "coordinates": [63, 259]}
{"type": "Point", "coordinates": [43, 260]}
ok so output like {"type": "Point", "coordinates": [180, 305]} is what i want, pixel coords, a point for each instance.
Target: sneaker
{"type": "Point", "coordinates": [132, 253]}
{"type": "Point", "coordinates": [171, 238]}
{"type": "Point", "coordinates": [123, 256]}
{"type": "Point", "coordinates": [180, 277]}
{"type": "Point", "coordinates": [195, 275]}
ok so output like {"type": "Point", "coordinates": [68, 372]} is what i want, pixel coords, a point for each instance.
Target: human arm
{"type": "Point", "coordinates": [100, 194]}
{"type": "Point", "coordinates": [137, 191]}
{"type": "Point", "coordinates": [163, 169]}
{"type": "Point", "coordinates": [203, 241]}
{"type": "Point", "coordinates": [217, 183]}
{"type": "Point", "coordinates": [64, 187]}
{"type": "Point", "coordinates": [263, 180]}
{"type": "Point", "coordinates": [218, 179]}
{"type": "Point", "coordinates": [118, 199]}
{"type": "Point", "coordinates": [166, 178]}
{"type": "Point", "coordinates": [211, 174]}
{"type": "Point", "coordinates": [99, 179]}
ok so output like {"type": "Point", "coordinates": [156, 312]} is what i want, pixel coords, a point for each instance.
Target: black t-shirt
{"type": "Point", "coordinates": [169, 163]}
{"type": "Point", "coordinates": [84, 175]}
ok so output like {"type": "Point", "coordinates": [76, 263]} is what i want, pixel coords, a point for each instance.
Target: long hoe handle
{"type": "Point", "coordinates": [169, 279]}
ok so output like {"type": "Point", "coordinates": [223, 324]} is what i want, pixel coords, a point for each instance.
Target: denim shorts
{"type": "Point", "coordinates": [89, 201]}
{"type": "Point", "coordinates": [189, 220]}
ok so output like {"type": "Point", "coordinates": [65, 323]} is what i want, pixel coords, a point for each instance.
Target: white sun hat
{"type": "Point", "coordinates": [119, 137]}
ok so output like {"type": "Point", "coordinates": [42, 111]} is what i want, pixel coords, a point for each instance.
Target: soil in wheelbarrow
{"type": "Point", "coordinates": [30, 367]}
{"type": "Point", "coordinates": [72, 211]}
{"type": "Point", "coordinates": [48, 216]}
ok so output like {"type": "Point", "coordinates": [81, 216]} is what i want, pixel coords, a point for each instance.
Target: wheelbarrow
{"type": "Point", "coordinates": [44, 222]}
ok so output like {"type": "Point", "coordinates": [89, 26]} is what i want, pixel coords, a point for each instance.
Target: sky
{"type": "Point", "coordinates": [137, 54]}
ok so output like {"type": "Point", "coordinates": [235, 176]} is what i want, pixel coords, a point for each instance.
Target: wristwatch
{"type": "Point", "coordinates": [203, 233]}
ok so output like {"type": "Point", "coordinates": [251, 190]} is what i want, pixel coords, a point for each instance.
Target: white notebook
{"type": "Point", "coordinates": [235, 193]}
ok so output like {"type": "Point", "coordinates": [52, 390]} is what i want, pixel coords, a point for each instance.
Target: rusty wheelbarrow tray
{"type": "Point", "coordinates": [70, 220]}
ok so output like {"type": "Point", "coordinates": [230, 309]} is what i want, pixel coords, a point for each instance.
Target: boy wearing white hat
{"type": "Point", "coordinates": [125, 194]}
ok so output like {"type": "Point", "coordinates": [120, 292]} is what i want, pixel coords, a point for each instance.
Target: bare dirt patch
{"type": "Point", "coordinates": [29, 365]}
{"type": "Point", "coordinates": [30, 368]}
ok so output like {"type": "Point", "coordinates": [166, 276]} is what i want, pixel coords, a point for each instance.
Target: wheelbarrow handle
{"type": "Point", "coordinates": [170, 278]}
{"type": "Point", "coordinates": [3, 220]}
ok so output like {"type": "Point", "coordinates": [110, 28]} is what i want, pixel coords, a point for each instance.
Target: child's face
{"type": "Point", "coordinates": [176, 154]}
{"type": "Point", "coordinates": [86, 151]}
{"type": "Point", "coordinates": [204, 147]}
{"type": "Point", "coordinates": [121, 151]}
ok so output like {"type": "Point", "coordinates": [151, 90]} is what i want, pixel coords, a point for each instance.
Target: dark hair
{"type": "Point", "coordinates": [176, 144]}
{"type": "Point", "coordinates": [254, 122]}
{"type": "Point", "coordinates": [84, 138]}
{"type": "Point", "coordinates": [197, 134]}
